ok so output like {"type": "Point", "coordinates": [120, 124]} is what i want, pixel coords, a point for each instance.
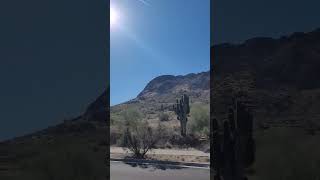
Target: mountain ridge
{"type": "Point", "coordinates": [167, 83]}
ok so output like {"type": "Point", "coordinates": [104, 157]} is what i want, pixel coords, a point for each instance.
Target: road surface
{"type": "Point", "coordinates": [121, 171]}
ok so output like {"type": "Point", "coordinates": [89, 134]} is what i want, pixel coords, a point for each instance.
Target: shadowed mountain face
{"type": "Point", "coordinates": [92, 122]}
{"type": "Point", "coordinates": [292, 60]}
{"type": "Point", "coordinates": [98, 110]}
{"type": "Point", "coordinates": [279, 75]}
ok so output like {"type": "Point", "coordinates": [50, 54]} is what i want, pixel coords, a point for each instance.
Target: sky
{"type": "Point", "coordinates": [236, 21]}
{"type": "Point", "coordinates": [53, 61]}
{"type": "Point", "coordinates": [156, 37]}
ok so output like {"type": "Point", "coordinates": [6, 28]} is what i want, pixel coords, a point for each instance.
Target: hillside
{"type": "Point", "coordinates": [161, 93]}
{"type": "Point", "coordinates": [67, 149]}
{"type": "Point", "coordinates": [280, 76]}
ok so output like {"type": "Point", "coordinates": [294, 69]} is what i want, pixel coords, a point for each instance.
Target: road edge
{"type": "Point", "coordinates": [158, 162]}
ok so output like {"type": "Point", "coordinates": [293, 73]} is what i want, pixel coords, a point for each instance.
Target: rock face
{"type": "Point", "coordinates": [168, 84]}
{"type": "Point", "coordinates": [167, 88]}
{"type": "Point", "coordinates": [280, 75]}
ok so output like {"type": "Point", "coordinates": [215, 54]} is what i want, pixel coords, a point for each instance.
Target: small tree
{"type": "Point", "coordinates": [140, 139]}
{"type": "Point", "coordinates": [138, 136]}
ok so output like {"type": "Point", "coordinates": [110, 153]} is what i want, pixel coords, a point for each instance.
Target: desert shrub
{"type": "Point", "coordinates": [163, 116]}
{"type": "Point", "coordinates": [115, 136]}
{"type": "Point", "coordinates": [287, 154]}
{"type": "Point", "coordinates": [185, 142]}
{"type": "Point", "coordinates": [164, 133]}
{"type": "Point", "coordinates": [140, 138]}
{"type": "Point", "coordinates": [129, 119]}
{"type": "Point", "coordinates": [136, 133]}
{"type": "Point", "coordinates": [66, 164]}
{"type": "Point", "coordinates": [113, 119]}
{"type": "Point", "coordinates": [199, 123]}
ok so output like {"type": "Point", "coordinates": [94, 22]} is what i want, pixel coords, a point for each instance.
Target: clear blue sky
{"type": "Point", "coordinates": [152, 38]}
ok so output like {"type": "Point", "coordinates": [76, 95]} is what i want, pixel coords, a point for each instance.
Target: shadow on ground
{"type": "Point", "coordinates": [154, 166]}
{"type": "Point", "coordinates": [153, 163]}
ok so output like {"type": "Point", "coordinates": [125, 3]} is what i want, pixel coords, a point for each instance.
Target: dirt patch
{"type": "Point", "coordinates": [176, 155]}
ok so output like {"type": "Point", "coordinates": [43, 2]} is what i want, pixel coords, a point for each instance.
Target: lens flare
{"type": "Point", "coordinates": [114, 17]}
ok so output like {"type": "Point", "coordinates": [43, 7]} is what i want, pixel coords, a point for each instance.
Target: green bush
{"type": "Point", "coordinates": [130, 118]}
{"type": "Point", "coordinates": [137, 135]}
{"type": "Point", "coordinates": [163, 116]}
{"type": "Point", "coordinates": [199, 121]}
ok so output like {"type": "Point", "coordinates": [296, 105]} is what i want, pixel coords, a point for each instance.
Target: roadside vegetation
{"type": "Point", "coordinates": [65, 158]}
{"type": "Point", "coordinates": [133, 130]}
{"type": "Point", "coordinates": [137, 135]}
{"type": "Point", "coordinates": [199, 123]}
{"type": "Point", "coordinates": [286, 154]}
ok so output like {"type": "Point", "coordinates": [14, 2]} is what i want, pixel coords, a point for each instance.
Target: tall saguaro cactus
{"type": "Point", "coordinates": [182, 109]}
{"type": "Point", "coordinates": [233, 147]}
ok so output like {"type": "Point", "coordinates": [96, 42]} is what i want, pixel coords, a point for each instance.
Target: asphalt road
{"type": "Point", "coordinates": [121, 171]}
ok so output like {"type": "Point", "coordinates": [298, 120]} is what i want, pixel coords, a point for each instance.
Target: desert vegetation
{"type": "Point", "coordinates": [65, 157]}
{"type": "Point", "coordinates": [133, 129]}
{"type": "Point", "coordinates": [137, 135]}
{"type": "Point", "coordinates": [286, 153]}
{"type": "Point", "coordinates": [200, 120]}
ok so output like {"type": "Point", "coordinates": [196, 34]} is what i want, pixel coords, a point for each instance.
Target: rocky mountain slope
{"type": "Point", "coordinates": [161, 93]}
{"type": "Point", "coordinates": [279, 75]}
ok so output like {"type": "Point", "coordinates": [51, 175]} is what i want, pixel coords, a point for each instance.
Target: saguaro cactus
{"type": "Point", "coordinates": [182, 109]}
{"type": "Point", "coordinates": [234, 145]}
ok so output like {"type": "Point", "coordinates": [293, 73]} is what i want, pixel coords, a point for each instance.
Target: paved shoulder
{"type": "Point", "coordinates": [121, 171]}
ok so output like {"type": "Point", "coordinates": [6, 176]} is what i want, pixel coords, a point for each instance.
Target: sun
{"type": "Point", "coordinates": [114, 17]}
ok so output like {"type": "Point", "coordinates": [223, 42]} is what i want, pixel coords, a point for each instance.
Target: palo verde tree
{"type": "Point", "coordinates": [138, 136]}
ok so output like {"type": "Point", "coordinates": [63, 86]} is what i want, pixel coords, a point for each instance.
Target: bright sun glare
{"type": "Point", "coordinates": [114, 17]}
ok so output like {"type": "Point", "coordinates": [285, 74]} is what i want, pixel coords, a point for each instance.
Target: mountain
{"type": "Point", "coordinates": [280, 76]}
{"type": "Point", "coordinates": [168, 84]}
{"type": "Point", "coordinates": [284, 74]}
{"type": "Point", "coordinates": [78, 142]}
{"type": "Point", "coordinates": [292, 60]}
{"type": "Point", "coordinates": [162, 92]}
{"type": "Point", "coordinates": [98, 110]}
